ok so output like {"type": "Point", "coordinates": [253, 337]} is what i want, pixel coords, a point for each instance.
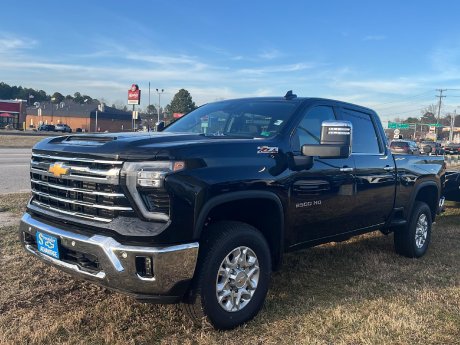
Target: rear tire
{"type": "Point", "coordinates": [413, 239]}
{"type": "Point", "coordinates": [232, 278]}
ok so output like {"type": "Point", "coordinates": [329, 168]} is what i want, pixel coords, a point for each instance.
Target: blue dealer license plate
{"type": "Point", "coordinates": [47, 244]}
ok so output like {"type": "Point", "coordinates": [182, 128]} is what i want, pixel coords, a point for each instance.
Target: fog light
{"type": "Point", "coordinates": [144, 266]}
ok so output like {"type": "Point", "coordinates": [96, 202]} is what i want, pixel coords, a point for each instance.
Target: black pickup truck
{"type": "Point", "coordinates": [202, 211]}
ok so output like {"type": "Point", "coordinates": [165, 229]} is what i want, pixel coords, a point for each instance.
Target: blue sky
{"type": "Point", "coordinates": [389, 55]}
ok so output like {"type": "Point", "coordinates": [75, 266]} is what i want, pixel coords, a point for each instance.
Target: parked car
{"type": "Point", "coordinates": [431, 147]}
{"type": "Point", "coordinates": [404, 146]}
{"type": "Point", "coordinates": [203, 211]}
{"type": "Point", "coordinates": [62, 127]}
{"type": "Point", "coordinates": [47, 128]}
{"type": "Point", "coordinates": [452, 149]}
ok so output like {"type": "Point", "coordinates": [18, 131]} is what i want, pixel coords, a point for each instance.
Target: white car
{"type": "Point", "coordinates": [63, 128]}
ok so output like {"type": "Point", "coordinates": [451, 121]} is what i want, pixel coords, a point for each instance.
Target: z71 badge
{"type": "Point", "coordinates": [267, 149]}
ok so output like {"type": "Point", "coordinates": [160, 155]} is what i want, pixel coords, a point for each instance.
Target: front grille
{"type": "Point", "coordinates": [87, 188]}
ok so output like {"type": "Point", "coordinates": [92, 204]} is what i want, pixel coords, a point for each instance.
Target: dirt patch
{"type": "Point", "coordinates": [8, 218]}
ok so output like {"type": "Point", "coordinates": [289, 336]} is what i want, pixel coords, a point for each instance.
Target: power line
{"type": "Point", "coordinates": [408, 97]}
{"type": "Point", "coordinates": [396, 113]}
{"type": "Point", "coordinates": [409, 103]}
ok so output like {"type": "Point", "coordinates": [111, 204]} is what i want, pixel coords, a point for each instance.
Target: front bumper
{"type": "Point", "coordinates": [114, 264]}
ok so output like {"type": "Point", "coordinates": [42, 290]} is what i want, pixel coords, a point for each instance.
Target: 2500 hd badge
{"type": "Point", "coordinates": [308, 203]}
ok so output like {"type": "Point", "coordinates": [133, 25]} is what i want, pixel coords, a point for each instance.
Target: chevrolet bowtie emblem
{"type": "Point", "coordinates": [58, 169]}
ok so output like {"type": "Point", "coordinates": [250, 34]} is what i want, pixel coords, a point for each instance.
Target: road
{"type": "Point", "coordinates": [14, 170]}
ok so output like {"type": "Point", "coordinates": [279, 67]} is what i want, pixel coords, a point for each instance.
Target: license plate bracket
{"type": "Point", "coordinates": [47, 244]}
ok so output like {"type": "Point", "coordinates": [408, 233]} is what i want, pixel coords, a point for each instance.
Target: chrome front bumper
{"type": "Point", "coordinates": [173, 266]}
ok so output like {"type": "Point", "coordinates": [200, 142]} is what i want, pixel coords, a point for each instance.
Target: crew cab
{"type": "Point", "coordinates": [203, 211]}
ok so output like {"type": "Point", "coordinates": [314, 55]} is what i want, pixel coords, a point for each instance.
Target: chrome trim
{"type": "Point", "coordinates": [441, 203]}
{"type": "Point", "coordinates": [77, 159]}
{"type": "Point", "coordinates": [368, 154]}
{"type": "Point", "coordinates": [113, 180]}
{"type": "Point", "coordinates": [78, 190]}
{"type": "Point", "coordinates": [98, 172]}
{"type": "Point", "coordinates": [29, 248]}
{"type": "Point", "coordinates": [78, 169]}
{"type": "Point", "coordinates": [111, 177]}
{"type": "Point", "coordinates": [171, 264]}
{"type": "Point", "coordinates": [82, 203]}
{"type": "Point", "coordinates": [337, 123]}
{"type": "Point", "coordinates": [70, 213]}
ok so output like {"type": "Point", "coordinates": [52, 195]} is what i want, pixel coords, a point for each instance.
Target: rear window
{"type": "Point", "coordinates": [364, 137]}
{"type": "Point", "coordinates": [398, 144]}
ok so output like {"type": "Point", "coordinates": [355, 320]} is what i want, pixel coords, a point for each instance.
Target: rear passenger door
{"type": "Point", "coordinates": [374, 170]}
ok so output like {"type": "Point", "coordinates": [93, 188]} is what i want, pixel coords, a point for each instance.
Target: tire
{"type": "Point", "coordinates": [219, 251]}
{"type": "Point", "coordinates": [427, 149]}
{"type": "Point", "coordinates": [413, 239]}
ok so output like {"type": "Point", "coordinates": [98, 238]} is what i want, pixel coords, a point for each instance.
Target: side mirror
{"type": "Point", "coordinates": [160, 126]}
{"type": "Point", "coordinates": [335, 141]}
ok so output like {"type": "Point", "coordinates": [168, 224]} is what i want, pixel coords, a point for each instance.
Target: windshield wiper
{"type": "Point", "coordinates": [227, 136]}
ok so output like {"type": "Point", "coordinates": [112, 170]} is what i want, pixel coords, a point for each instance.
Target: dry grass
{"type": "Point", "coordinates": [356, 292]}
{"type": "Point", "coordinates": [21, 141]}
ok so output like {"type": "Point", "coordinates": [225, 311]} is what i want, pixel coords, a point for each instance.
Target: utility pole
{"type": "Point", "coordinates": [159, 91]}
{"type": "Point", "coordinates": [452, 120]}
{"type": "Point", "coordinates": [439, 107]}
{"type": "Point", "coordinates": [440, 101]}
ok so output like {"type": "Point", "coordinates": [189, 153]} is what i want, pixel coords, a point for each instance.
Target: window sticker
{"type": "Point", "coordinates": [267, 149]}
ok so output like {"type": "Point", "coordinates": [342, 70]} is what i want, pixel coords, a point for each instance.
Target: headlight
{"type": "Point", "coordinates": [144, 179]}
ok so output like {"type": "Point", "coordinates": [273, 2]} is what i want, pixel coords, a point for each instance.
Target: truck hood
{"type": "Point", "coordinates": [134, 146]}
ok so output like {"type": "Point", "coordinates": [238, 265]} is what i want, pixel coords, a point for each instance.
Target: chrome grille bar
{"type": "Point", "coordinates": [77, 190]}
{"type": "Point", "coordinates": [79, 173]}
{"type": "Point", "coordinates": [73, 159]}
{"type": "Point", "coordinates": [83, 203]}
{"type": "Point", "coordinates": [70, 213]}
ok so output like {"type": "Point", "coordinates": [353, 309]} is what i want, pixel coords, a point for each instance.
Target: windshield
{"type": "Point", "coordinates": [237, 118]}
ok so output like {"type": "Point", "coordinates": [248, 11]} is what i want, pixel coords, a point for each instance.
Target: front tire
{"type": "Point", "coordinates": [413, 239]}
{"type": "Point", "coordinates": [232, 276]}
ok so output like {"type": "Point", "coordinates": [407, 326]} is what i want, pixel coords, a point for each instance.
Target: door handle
{"type": "Point", "coordinates": [388, 168]}
{"type": "Point", "coordinates": [346, 169]}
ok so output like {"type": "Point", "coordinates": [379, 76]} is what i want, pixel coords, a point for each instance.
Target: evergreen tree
{"type": "Point", "coordinates": [182, 102]}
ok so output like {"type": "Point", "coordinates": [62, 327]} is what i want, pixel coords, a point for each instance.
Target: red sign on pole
{"type": "Point", "coordinates": [134, 95]}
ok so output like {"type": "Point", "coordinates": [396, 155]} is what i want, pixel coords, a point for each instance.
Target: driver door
{"type": "Point", "coordinates": [321, 198]}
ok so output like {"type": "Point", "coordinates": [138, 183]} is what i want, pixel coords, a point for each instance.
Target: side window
{"type": "Point", "coordinates": [309, 129]}
{"type": "Point", "coordinates": [364, 138]}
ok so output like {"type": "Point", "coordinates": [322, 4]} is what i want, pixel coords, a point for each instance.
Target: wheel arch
{"type": "Point", "coordinates": [428, 192]}
{"type": "Point", "coordinates": [261, 209]}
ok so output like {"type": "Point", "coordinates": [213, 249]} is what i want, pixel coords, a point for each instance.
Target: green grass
{"type": "Point", "coordinates": [354, 292]}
